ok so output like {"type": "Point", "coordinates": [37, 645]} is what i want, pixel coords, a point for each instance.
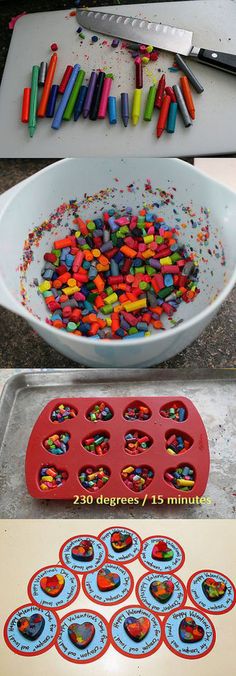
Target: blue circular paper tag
{"type": "Point", "coordinates": [83, 554]}
{"type": "Point", "coordinates": [135, 632]}
{"type": "Point", "coordinates": [189, 633]}
{"type": "Point", "coordinates": [161, 593]}
{"type": "Point", "coordinates": [83, 636]}
{"type": "Point", "coordinates": [211, 591]}
{"type": "Point", "coordinates": [31, 630]}
{"type": "Point", "coordinates": [161, 554]}
{"type": "Point", "coordinates": [123, 544]}
{"type": "Point", "coordinates": [110, 584]}
{"type": "Point", "coordinates": [53, 587]}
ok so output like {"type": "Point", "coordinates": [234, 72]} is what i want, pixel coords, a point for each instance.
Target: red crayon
{"type": "Point", "coordinates": [161, 124]}
{"type": "Point", "coordinates": [171, 93]}
{"type": "Point", "coordinates": [139, 73]}
{"type": "Point", "coordinates": [65, 79]}
{"type": "Point", "coordinates": [160, 92]}
{"type": "Point", "coordinates": [26, 105]}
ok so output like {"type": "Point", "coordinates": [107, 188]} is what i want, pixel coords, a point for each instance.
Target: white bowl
{"type": "Point", "coordinates": [32, 201]}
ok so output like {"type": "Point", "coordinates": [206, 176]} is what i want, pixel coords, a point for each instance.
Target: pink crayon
{"type": "Point", "coordinates": [102, 111]}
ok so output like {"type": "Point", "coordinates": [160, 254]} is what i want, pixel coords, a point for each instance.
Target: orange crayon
{"type": "Point", "coordinates": [47, 86]}
{"type": "Point", "coordinates": [185, 86]}
{"type": "Point", "coordinates": [161, 124]}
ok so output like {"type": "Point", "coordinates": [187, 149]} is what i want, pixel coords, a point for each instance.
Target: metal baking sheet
{"type": "Point", "coordinates": [26, 393]}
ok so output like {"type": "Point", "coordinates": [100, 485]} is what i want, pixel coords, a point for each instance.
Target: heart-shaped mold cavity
{"type": "Point", "coordinates": [213, 589]}
{"type": "Point", "coordinates": [51, 477]}
{"type": "Point", "coordinates": [58, 443]}
{"type": "Point", "coordinates": [174, 410]}
{"type": "Point", "coordinates": [161, 551]}
{"type": "Point", "coordinates": [52, 585]}
{"type": "Point", "coordinates": [94, 478]}
{"type": "Point", "coordinates": [162, 590]}
{"type": "Point", "coordinates": [107, 579]}
{"type": "Point", "coordinates": [31, 626]}
{"type": "Point", "coordinates": [137, 627]}
{"type": "Point", "coordinates": [177, 442]}
{"type": "Point", "coordinates": [137, 442]}
{"type": "Point", "coordinates": [137, 478]}
{"type": "Point", "coordinates": [121, 541]}
{"type": "Point", "coordinates": [182, 477]}
{"type": "Point", "coordinates": [81, 634]}
{"type": "Point", "coordinates": [137, 410]}
{"type": "Point", "coordinates": [97, 442]}
{"type": "Point", "coordinates": [99, 412]}
{"type": "Point", "coordinates": [63, 412]}
{"type": "Point", "coordinates": [189, 631]}
{"type": "Point", "coordinates": [83, 551]}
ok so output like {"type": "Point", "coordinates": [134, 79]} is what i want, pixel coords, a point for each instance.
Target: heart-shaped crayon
{"type": "Point", "coordinates": [107, 580]}
{"type": "Point", "coordinates": [162, 552]}
{"type": "Point", "coordinates": [120, 541]}
{"type": "Point", "coordinates": [31, 626]}
{"type": "Point", "coordinates": [81, 634]}
{"type": "Point", "coordinates": [189, 631]}
{"type": "Point", "coordinates": [83, 551]}
{"type": "Point", "coordinates": [162, 590]}
{"type": "Point", "coordinates": [137, 628]}
{"type": "Point", "coordinates": [213, 590]}
{"type": "Point", "coordinates": [52, 586]}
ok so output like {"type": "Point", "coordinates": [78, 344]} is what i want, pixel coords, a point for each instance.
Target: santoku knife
{"type": "Point", "coordinates": [169, 38]}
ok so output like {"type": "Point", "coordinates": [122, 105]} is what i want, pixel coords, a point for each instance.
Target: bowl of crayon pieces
{"type": "Point", "coordinates": [118, 447]}
{"type": "Point", "coordinates": [121, 263]}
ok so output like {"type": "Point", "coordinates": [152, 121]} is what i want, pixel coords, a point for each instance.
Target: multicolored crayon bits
{"type": "Point", "coordinates": [100, 411]}
{"type": "Point", "coordinates": [175, 411]}
{"type": "Point", "coordinates": [63, 412]}
{"type": "Point", "coordinates": [137, 411]}
{"type": "Point", "coordinates": [57, 444]}
{"type": "Point", "coordinates": [137, 478]}
{"type": "Point", "coordinates": [161, 551]}
{"type": "Point", "coordinates": [51, 477]}
{"type": "Point", "coordinates": [183, 478]}
{"type": "Point", "coordinates": [97, 443]}
{"type": "Point", "coordinates": [93, 479]}
{"type": "Point", "coordinates": [177, 443]}
{"type": "Point", "coordinates": [137, 628]}
{"type": "Point", "coordinates": [117, 276]}
{"type": "Point", "coordinates": [137, 442]}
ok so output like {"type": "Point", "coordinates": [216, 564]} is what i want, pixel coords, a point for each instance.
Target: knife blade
{"type": "Point", "coordinates": [168, 38]}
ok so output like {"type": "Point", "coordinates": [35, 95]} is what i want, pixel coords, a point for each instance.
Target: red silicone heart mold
{"type": "Point", "coordinates": [149, 421]}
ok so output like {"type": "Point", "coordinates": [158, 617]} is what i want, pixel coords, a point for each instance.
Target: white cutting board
{"type": "Point", "coordinates": [213, 132]}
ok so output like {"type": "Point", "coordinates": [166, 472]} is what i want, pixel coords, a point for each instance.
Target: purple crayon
{"type": "Point", "coordinates": [125, 108]}
{"type": "Point", "coordinates": [89, 95]}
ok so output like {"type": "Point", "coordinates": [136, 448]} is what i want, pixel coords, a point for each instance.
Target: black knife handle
{"type": "Point", "coordinates": [219, 60]}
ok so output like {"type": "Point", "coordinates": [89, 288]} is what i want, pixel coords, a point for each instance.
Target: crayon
{"type": "Point", "coordinates": [182, 106]}
{"type": "Point", "coordinates": [33, 101]}
{"type": "Point", "coordinates": [89, 95]}
{"type": "Point", "coordinates": [47, 86]}
{"type": "Point", "coordinates": [25, 105]}
{"type": "Point", "coordinates": [125, 108]}
{"type": "Point", "coordinates": [57, 120]}
{"type": "Point", "coordinates": [150, 104]}
{"type": "Point", "coordinates": [93, 113]}
{"type": "Point", "coordinates": [65, 79]}
{"type": "Point", "coordinates": [74, 95]}
{"type": "Point", "coordinates": [170, 92]}
{"type": "Point", "coordinates": [136, 107]}
{"type": "Point", "coordinates": [52, 101]}
{"type": "Point", "coordinates": [102, 111]}
{"type": "Point", "coordinates": [186, 91]}
{"type": "Point", "coordinates": [112, 114]}
{"type": "Point", "coordinates": [139, 73]}
{"type": "Point", "coordinates": [192, 78]}
{"type": "Point", "coordinates": [160, 92]}
{"type": "Point", "coordinates": [80, 102]}
{"type": "Point", "coordinates": [171, 120]}
{"type": "Point", "coordinates": [161, 124]}
{"type": "Point", "coordinates": [42, 72]}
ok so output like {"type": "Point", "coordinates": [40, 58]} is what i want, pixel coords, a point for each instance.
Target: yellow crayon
{"type": "Point", "coordinates": [136, 108]}
{"type": "Point", "coordinates": [185, 482]}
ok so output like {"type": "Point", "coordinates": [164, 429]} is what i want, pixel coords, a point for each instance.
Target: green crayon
{"type": "Point", "coordinates": [148, 112]}
{"type": "Point", "coordinates": [33, 101]}
{"type": "Point", "coordinates": [74, 95]}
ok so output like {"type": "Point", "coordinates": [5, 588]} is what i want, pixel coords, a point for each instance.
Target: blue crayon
{"type": "Point", "coordinates": [171, 120]}
{"type": "Point", "coordinates": [65, 98]}
{"type": "Point", "coordinates": [125, 108]}
{"type": "Point", "coordinates": [52, 101]}
{"type": "Point", "coordinates": [80, 102]}
{"type": "Point", "coordinates": [112, 114]}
